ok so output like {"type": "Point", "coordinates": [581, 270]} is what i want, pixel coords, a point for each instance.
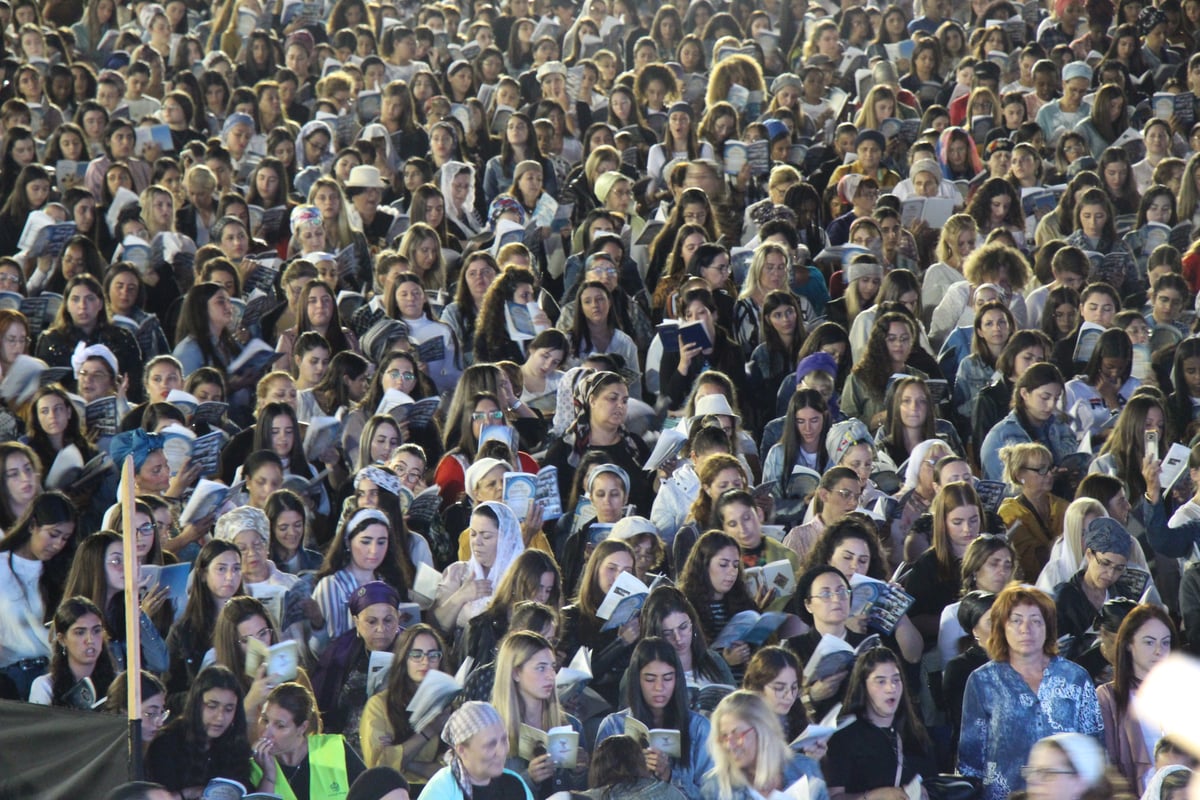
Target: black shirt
{"type": "Point", "coordinates": [506, 787]}
{"type": "Point", "coordinates": [298, 776]}
{"type": "Point", "coordinates": [862, 757]}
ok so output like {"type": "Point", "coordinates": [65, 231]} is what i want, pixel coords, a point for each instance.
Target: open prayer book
{"type": "Point", "coordinates": [834, 655]}
{"type": "Point", "coordinates": [561, 744]}
{"type": "Point", "coordinates": [437, 690]}
{"type": "Point", "coordinates": [664, 740]}
{"type": "Point", "coordinates": [817, 732]}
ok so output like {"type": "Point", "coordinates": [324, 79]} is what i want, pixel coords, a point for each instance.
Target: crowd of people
{"type": "Point", "coordinates": [851, 342]}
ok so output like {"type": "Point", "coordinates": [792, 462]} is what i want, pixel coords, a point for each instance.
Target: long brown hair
{"type": "Point", "coordinates": [400, 687]}
{"type": "Point", "coordinates": [950, 497]}
{"type": "Point", "coordinates": [1124, 679]}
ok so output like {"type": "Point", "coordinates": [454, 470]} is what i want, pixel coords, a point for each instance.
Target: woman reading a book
{"type": "Point", "coordinates": [713, 579]}
{"type": "Point", "coordinates": [97, 574]}
{"type": "Point", "coordinates": [525, 697]}
{"type": "Point", "coordinates": [207, 740]}
{"type": "Point", "coordinates": [1096, 232]}
{"type": "Point", "coordinates": [386, 732]}
{"type": "Point", "coordinates": [581, 627]}
{"type": "Point", "coordinates": [774, 673]}
{"type": "Point", "coordinates": [216, 579]}
{"type": "Point", "coordinates": [656, 712]}
{"type": "Point", "coordinates": [362, 551]}
{"type": "Point", "coordinates": [750, 755]}
{"type": "Point", "coordinates": [96, 377]}
{"type": "Point", "coordinates": [126, 295]}
{"type": "Point", "coordinates": [886, 747]}
{"type": "Point", "coordinates": [433, 341]}
{"type": "Point", "coordinates": [532, 576]}
{"type": "Point", "coordinates": [935, 578]}
{"type": "Point", "coordinates": [466, 586]}
{"type": "Point", "coordinates": [52, 423]}
{"type": "Point", "coordinates": [243, 619]}
{"type": "Point", "coordinates": [80, 652]}
{"type": "Point", "coordinates": [670, 615]}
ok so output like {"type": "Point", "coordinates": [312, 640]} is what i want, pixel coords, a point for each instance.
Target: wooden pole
{"type": "Point", "coordinates": [133, 629]}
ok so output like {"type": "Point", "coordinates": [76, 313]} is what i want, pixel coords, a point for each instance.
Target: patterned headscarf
{"type": "Point", "coordinates": [305, 215]}
{"type": "Point", "coordinates": [470, 718]}
{"type": "Point", "coordinates": [503, 203]}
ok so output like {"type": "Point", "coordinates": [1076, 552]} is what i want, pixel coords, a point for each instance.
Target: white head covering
{"type": "Point", "coordinates": [305, 132]}
{"type": "Point", "coordinates": [916, 457]}
{"type": "Point", "coordinates": [509, 545]}
{"type": "Point", "coordinates": [1154, 787]}
{"type": "Point", "coordinates": [463, 216]}
{"type": "Point", "coordinates": [1084, 752]}
{"type": "Point", "coordinates": [85, 351]}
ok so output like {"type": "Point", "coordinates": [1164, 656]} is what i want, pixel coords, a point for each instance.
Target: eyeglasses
{"type": "Point", "coordinates": [397, 375]}
{"type": "Point", "coordinates": [829, 594]}
{"type": "Point", "coordinates": [721, 268]}
{"type": "Point", "coordinates": [899, 340]}
{"type": "Point", "coordinates": [148, 528]}
{"type": "Point", "coordinates": [1039, 470]}
{"type": "Point", "coordinates": [848, 494]}
{"type": "Point", "coordinates": [1107, 565]}
{"type": "Point", "coordinates": [735, 738]}
{"type": "Point", "coordinates": [9, 278]}
{"type": "Point", "coordinates": [424, 655]}
{"type": "Point", "coordinates": [1043, 774]}
{"type": "Point", "coordinates": [481, 416]}
{"type": "Point", "coordinates": [256, 546]}
{"type": "Point", "coordinates": [160, 716]}
{"type": "Point", "coordinates": [607, 272]}
{"type": "Point", "coordinates": [263, 635]}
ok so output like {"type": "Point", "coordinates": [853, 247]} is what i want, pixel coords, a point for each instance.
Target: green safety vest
{"type": "Point", "coordinates": [327, 777]}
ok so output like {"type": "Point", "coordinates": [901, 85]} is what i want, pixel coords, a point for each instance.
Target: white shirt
{"type": "Point", "coordinates": [22, 632]}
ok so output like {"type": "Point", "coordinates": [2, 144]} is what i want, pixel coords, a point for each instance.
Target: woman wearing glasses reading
{"type": "Point", "coordinates": [1106, 551]}
{"type": "Point", "coordinates": [388, 737]}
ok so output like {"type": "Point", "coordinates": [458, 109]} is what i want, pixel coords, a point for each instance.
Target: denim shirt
{"type": "Point", "coordinates": [1003, 719]}
{"type": "Point", "coordinates": [800, 766]}
{"type": "Point", "coordinates": [1055, 434]}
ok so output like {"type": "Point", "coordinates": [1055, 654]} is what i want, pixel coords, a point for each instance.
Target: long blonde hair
{"type": "Point", "coordinates": [517, 649]}
{"type": "Point", "coordinates": [773, 753]}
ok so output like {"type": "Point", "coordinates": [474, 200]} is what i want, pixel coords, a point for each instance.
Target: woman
{"type": "Point", "coordinates": [515, 286]}
{"type": "Point", "coordinates": [911, 421]}
{"type": "Point", "coordinates": [599, 426]}
{"type": "Point", "coordinates": [770, 270]}
{"type": "Point", "coordinates": [802, 442]}
{"type": "Point", "coordinates": [22, 471]}
{"type": "Point", "coordinates": [387, 735]}
{"type": "Point", "coordinates": [294, 758]}
{"type": "Point", "coordinates": [780, 337]}
{"type": "Point", "coordinates": [479, 746]}
{"type": "Point", "coordinates": [126, 295]}
{"type": "Point", "coordinates": [465, 587]}
{"type": "Point", "coordinates": [340, 677]}
{"type": "Point", "coordinates": [1107, 550]}
{"type": "Point", "coordinates": [994, 326]}
{"type": "Point", "coordinates": [680, 368]}
{"type": "Point", "coordinates": [288, 516]}
{"type": "Point", "coordinates": [656, 697]}
{"type": "Point", "coordinates": [678, 141]}
{"type": "Point", "coordinates": [955, 243]}
{"type": "Point", "coordinates": [216, 578]}
{"type": "Point", "coordinates": [81, 653]}
{"type": "Point", "coordinates": [319, 313]}
{"type": "Point", "coordinates": [713, 578]}
{"type": "Point", "coordinates": [36, 555]}
{"type": "Point", "coordinates": [518, 143]}
{"type": "Point", "coordinates": [972, 618]}
{"type": "Point", "coordinates": [774, 673]}
{"type": "Point", "coordinates": [996, 263]}
{"type": "Point", "coordinates": [98, 575]}
{"type": "Point", "coordinates": [1146, 637]}
{"type": "Point", "coordinates": [618, 769]}
{"type": "Point", "coordinates": [935, 577]}
{"type": "Point", "coordinates": [1070, 766]}
{"type": "Point", "coordinates": [479, 271]}
{"type": "Point", "coordinates": [749, 754]}
{"type": "Point", "coordinates": [668, 614]}
{"type": "Point", "coordinates": [1105, 386]}
{"type": "Point", "coordinates": [203, 337]}
{"type": "Point", "coordinates": [1096, 232]}
{"type": "Point", "coordinates": [532, 575]}
{"type": "Point", "coordinates": [433, 340]}
{"type": "Point", "coordinates": [1025, 689]}
{"type": "Point", "coordinates": [1034, 418]}
{"type": "Point", "coordinates": [207, 740]}
{"type": "Point", "coordinates": [601, 502]}
{"type": "Point", "coordinates": [1035, 516]}
{"type": "Point", "coordinates": [361, 552]}
{"type": "Point", "coordinates": [580, 627]}
{"type": "Point", "coordinates": [1024, 349]}
{"type": "Point", "coordinates": [524, 695]}
{"type": "Point", "coordinates": [888, 349]}
{"type": "Point", "coordinates": [838, 493]}
{"type": "Point", "coordinates": [886, 746]}
{"type": "Point", "coordinates": [53, 423]}
{"type": "Point", "coordinates": [540, 371]}
{"type": "Point", "coordinates": [82, 318]}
